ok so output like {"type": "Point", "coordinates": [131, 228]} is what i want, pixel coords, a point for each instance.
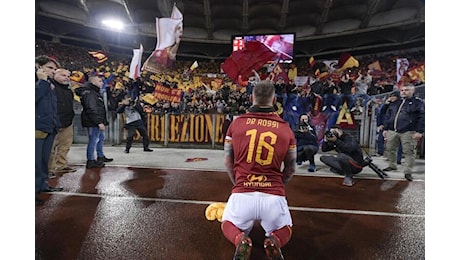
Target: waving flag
{"type": "Point", "coordinates": [169, 31]}
{"type": "Point", "coordinates": [194, 66]}
{"type": "Point", "coordinates": [167, 27]}
{"type": "Point", "coordinates": [99, 56]}
{"type": "Point", "coordinates": [347, 61]}
{"type": "Point", "coordinates": [254, 55]}
{"type": "Point", "coordinates": [312, 61]}
{"type": "Point", "coordinates": [135, 68]}
{"type": "Point", "coordinates": [321, 74]}
{"type": "Point", "coordinates": [401, 67]}
{"type": "Point", "coordinates": [417, 73]}
{"type": "Point", "coordinates": [331, 65]}
{"type": "Point", "coordinates": [374, 66]}
{"type": "Point", "coordinates": [278, 74]}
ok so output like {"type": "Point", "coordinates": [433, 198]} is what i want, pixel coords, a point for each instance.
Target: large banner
{"type": "Point", "coordinates": [402, 65]}
{"type": "Point", "coordinates": [189, 128]}
{"type": "Point", "coordinates": [167, 94]}
{"type": "Point", "coordinates": [169, 33]}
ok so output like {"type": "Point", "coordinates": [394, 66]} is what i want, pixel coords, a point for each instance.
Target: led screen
{"type": "Point", "coordinates": [282, 44]}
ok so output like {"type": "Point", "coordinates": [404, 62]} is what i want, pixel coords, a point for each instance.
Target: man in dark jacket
{"type": "Point", "coordinates": [64, 138]}
{"type": "Point", "coordinates": [394, 96]}
{"type": "Point", "coordinates": [134, 120]}
{"type": "Point", "coordinates": [46, 123]}
{"type": "Point", "coordinates": [94, 118]}
{"type": "Point", "coordinates": [405, 124]}
{"type": "Point", "coordinates": [346, 86]}
{"type": "Point", "coordinates": [307, 142]}
{"type": "Point", "coordinates": [349, 160]}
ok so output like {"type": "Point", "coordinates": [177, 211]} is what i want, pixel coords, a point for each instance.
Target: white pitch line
{"type": "Point", "coordinates": [203, 202]}
{"type": "Point", "coordinates": [358, 212]}
{"type": "Point", "coordinates": [320, 173]}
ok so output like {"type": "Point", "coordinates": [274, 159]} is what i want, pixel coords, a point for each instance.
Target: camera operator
{"type": "Point", "coordinates": [307, 142]}
{"type": "Point", "coordinates": [349, 160]}
{"type": "Point", "coordinates": [134, 120]}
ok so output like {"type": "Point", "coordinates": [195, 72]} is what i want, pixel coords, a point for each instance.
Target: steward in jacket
{"type": "Point", "coordinates": [411, 117]}
{"type": "Point", "coordinates": [404, 125]}
{"type": "Point", "coordinates": [91, 99]}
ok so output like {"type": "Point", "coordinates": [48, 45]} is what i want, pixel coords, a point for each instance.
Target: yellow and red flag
{"type": "Point", "coordinates": [312, 61]}
{"type": "Point", "coordinates": [417, 73]}
{"type": "Point", "coordinates": [347, 61]}
{"type": "Point", "coordinates": [374, 66]}
{"type": "Point", "coordinates": [321, 74]}
{"type": "Point", "coordinates": [99, 56]}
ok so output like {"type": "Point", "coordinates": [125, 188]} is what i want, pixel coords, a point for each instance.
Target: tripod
{"type": "Point", "coordinates": [375, 168]}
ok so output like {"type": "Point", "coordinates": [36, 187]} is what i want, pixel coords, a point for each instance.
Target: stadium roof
{"type": "Point", "coordinates": [322, 27]}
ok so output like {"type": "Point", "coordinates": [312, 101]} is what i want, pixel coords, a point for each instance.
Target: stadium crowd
{"type": "Point", "coordinates": [208, 90]}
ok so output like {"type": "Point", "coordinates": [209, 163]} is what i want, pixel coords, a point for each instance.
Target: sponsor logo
{"type": "Point", "coordinates": [255, 180]}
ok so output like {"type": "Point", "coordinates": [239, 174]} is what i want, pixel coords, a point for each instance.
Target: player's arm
{"type": "Point", "coordinates": [289, 164]}
{"type": "Point", "coordinates": [229, 158]}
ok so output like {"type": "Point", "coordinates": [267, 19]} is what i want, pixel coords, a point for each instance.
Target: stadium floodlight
{"type": "Point", "coordinates": [114, 24]}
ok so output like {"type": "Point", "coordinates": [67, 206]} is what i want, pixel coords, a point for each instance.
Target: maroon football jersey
{"type": "Point", "coordinates": [260, 144]}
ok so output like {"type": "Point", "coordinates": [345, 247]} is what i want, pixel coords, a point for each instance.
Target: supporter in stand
{"type": "Point", "coordinates": [362, 85]}
{"type": "Point", "coordinates": [76, 58]}
{"type": "Point", "coordinates": [346, 91]}
{"type": "Point", "coordinates": [331, 96]}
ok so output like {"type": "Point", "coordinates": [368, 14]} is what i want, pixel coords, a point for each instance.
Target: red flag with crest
{"type": "Point", "coordinates": [254, 55]}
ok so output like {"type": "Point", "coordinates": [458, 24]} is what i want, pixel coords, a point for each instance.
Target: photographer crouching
{"type": "Point", "coordinates": [307, 142]}
{"type": "Point", "coordinates": [349, 160]}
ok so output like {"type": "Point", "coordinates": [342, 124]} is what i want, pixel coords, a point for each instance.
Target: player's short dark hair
{"type": "Point", "coordinates": [263, 92]}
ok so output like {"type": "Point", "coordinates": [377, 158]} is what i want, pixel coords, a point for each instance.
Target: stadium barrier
{"type": "Point", "coordinates": [208, 130]}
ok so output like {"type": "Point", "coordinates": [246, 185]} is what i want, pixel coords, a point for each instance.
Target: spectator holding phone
{"type": "Point", "coordinates": [46, 123]}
